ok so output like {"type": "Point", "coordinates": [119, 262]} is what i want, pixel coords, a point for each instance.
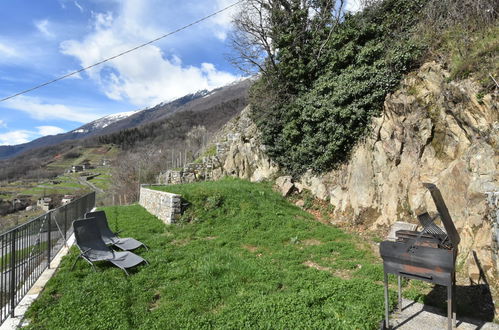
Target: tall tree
{"type": "Point", "coordinates": [284, 39]}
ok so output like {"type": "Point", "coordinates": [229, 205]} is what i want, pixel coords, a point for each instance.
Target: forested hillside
{"type": "Point", "coordinates": [196, 102]}
{"type": "Point", "coordinates": [164, 127]}
{"type": "Point", "coordinates": [169, 131]}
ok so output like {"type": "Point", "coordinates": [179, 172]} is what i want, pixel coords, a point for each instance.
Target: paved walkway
{"type": "Point", "coordinates": [416, 316]}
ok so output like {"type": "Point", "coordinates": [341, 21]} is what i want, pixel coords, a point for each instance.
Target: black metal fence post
{"type": "Point", "coordinates": [49, 238]}
{"type": "Point", "coordinates": [22, 255]}
{"type": "Point", "coordinates": [65, 222]}
{"type": "Point", "coordinates": [13, 273]}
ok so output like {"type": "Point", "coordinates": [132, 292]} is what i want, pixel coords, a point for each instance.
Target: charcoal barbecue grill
{"type": "Point", "coordinates": [428, 255]}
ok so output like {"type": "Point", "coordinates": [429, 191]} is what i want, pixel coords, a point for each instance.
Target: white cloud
{"type": "Point", "coordinates": [15, 137]}
{"type": "Point", "coordinates": [223, 21]}
{"type": "Point", "coordinates": [41, 110]}
{"type": "Point", "coordinates": [74, 76]}
{"type": "Point", "coordinates": [79, 6]}
{"type": "Point", "coordinates": [3, 124]}
{"type": "Point", "coordinates": [147, 76]}
{"type": "Point", "coordinates": [43, 27]}
{"type": "Point", "coordinates": [49, 130]}
{"type": "Point", "coordinates": [353, 6]}
{"type": "Point", "coordinates": [8, 51]}
{"type": "Point", "coordinates": [22, 136]}
{"type": "Point", "coordinates": [30, 51]}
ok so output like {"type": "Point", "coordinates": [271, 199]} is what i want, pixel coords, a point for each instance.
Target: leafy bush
{"type": "Point", "coordinates": [364, 60]}
{"type": "Point", "coordinates": [313, 106]}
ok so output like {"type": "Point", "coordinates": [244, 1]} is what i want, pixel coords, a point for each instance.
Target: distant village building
{"type": "Point", "coordinates": [20, 203]}
{"type": "Point", "coordinates": [67, 199]}
{"type": "Point", "coordinates": [76, 168]}
{"type": "Point", "coordinates": [86, 165]}
{"type": "Point", "coordinates": [45, 203]}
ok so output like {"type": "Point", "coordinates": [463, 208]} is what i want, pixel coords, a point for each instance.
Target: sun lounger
{"type": "Point", "coordinates": [92, 247]}
{"type": "Point", "coordinates": [109, 237]}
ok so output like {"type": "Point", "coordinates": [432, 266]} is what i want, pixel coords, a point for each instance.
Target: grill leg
{"type": "Point", "coordinates": [399, 280]}
{"type": "Point", "coordinates": [454, 300]}
{"type": "Point", "coordinates": [387, 319]}
{"type": "Point", "coordinates": [449, 307]}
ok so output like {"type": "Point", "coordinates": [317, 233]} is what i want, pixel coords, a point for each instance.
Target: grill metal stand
{"type": "Point", "coordinates": [429, 255]}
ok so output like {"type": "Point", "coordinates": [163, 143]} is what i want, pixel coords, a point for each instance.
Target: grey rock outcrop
{"type": "Point", "coordinates": [431, 130]}
{"type": "Point", "coordinates": [245, 157]}
{"type": "Point", "coordinates": [285, 184]}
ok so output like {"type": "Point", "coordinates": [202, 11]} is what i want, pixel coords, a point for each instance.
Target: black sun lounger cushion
{"type": "Point", "coordinates": [109, 237]}
{"type": "Point", "coordinates": [92, 247]}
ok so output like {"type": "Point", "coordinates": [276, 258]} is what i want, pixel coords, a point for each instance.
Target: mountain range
{"type": "Point", "coordinates": [196, 102]}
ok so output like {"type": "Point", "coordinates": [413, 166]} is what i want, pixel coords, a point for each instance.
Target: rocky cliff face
{"type": "Point", "coordinates": [431, 130]}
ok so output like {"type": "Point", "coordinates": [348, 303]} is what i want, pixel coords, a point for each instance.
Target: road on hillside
{"type": "Point", "coordinates": [82, 180]}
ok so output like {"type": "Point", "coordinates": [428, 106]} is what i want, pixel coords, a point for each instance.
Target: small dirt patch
{"type": "Point", "coordinates": [218, 309]}
{"type": "Point", "coordinates": [56, 295]}
{"type": "Point", "coordinates": [311, 242]}
{"type": "Point", "coordinates": [315, 265]}
{"type": "Point", "coordinates": [250, 248]}
{"type": "Point", "coordinates": [181, 242]}
{"type": "Point", "coordinates": [341, 273]}
{"type": "Point", "coordinates": [320, 217]}
{"type": "Point", "coordinates": [101, 150]}
{"type": "Point", "coordinates": [154, 303]}
{"type": "Point", "coordinates": [333, 258]}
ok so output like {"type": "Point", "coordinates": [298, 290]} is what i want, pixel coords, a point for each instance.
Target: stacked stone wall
{"type": "Point", "coordinates": [191, 172]}
{"type": "Point", "coordinates": [166, 206]}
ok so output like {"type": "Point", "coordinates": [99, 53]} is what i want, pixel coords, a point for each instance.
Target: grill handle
{"type": "Point", "coordinates": [415, 275]}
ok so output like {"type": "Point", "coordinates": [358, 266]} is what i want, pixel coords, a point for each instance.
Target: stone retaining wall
{"type": "Point", "coordinates": [164, 205]}
{"type": "Point", "coordinates": [191, 172]}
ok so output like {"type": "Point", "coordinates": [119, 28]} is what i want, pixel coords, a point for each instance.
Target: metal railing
{"type": "Point", "coordinates": [27, 250]}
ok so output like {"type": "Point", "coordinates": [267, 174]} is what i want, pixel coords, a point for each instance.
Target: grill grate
{"type": "Point", "coordinates": [429, 227]}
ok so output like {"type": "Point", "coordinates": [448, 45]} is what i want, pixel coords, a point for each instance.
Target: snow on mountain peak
{"type": "Point", "coordinates": [104, 121]}
{"type": "Point", "coordinates": [108, 120]}
{"type": "Point", "coordinates": [118, 116]}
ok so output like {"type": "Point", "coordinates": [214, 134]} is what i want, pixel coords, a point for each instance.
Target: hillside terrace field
{"type": "Point", "coordinates": [66, 183]}
{"type": "Point", "coordinates": [240, 257]}
{"type": "Point", "coordinates": [63, 184]}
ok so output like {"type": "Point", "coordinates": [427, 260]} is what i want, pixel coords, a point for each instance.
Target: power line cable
{"type": "Point", "coordinates": [123, 53]}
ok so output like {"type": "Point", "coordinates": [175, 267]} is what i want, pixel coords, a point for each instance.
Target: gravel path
{"type": "Point", "coordinates": [416, 316]}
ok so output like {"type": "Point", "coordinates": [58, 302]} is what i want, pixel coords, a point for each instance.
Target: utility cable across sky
{"type": "Point", "coordinates": [122, 53]}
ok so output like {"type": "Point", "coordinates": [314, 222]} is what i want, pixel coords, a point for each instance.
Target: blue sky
{"type": "Point", "coordinates": [43, 39]}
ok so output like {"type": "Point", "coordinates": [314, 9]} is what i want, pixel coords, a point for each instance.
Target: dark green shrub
{"type": "Point", "coordinates": [365, 57]}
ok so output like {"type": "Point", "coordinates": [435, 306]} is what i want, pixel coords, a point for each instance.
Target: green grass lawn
{"type": "Point", "coordinates": [241, 257]}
